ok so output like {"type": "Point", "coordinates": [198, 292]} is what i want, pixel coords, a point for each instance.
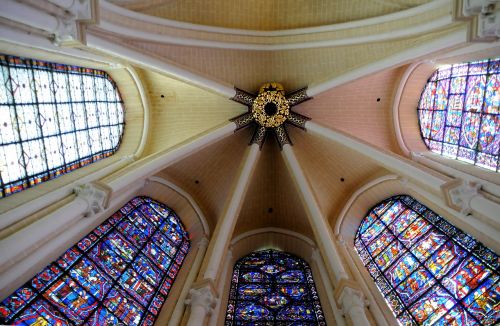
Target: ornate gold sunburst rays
{"type": "Point", "coordinates": [270, 111]}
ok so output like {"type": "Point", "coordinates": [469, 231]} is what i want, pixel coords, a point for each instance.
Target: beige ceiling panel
{"type": "Point", "coordinates": [272, 199]}
{"type": "Point", "coordinates": [293, 68]}
{"type": "Point", "coordinates": [362, 108]}
{"type": "Point", "coordinates": [180, 111]}
{"type": "Point", "coordinates": [268, 15]}
{"type": "Point", "coordinates": [333, 170]}
{"type": "Point", "coordinates": [209, 174]}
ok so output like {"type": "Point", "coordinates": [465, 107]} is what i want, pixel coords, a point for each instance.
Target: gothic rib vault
{"type": "Point", "coordinates": [177, 70]}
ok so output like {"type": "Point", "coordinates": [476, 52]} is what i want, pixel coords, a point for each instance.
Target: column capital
{"type": "Point", "coordinates": [203, 295]}
{"type": "Point", "coordinates": [96, 194]}
{"type": "Point", "coordinates": [341, 240]}
{"type": "Point", "coordinates": [316, 255]}
{"type": "Point", "coordinates": [352, 299]}
{"type": "Point", "coordinates": [459, 194]}
{"type": "Point", "coordinates": [202, 243]}
{"type": "Point", "coordinates": [347, 289]}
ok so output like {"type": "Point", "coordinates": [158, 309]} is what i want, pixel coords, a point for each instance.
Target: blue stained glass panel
{"type": "Point", "coordinates": [296, 276]}
{"type": "Point", "coordinates": [271, 287]}
{"type": "Point", "coordinates": [432, 306]}
{"type": "Point", "coordinates": [102, 316]}
{"type": "Point", "coordinates": [445, 259]}
{"type": "Point", "coordinates": [114, 275]}
{"type": "Point", "coordinates": [389, 255]}
{"type": "Point", "coordinates": [432, 272]}
{"type": "Point", "coordinates": [458, 113]}
{"type": "Point", "coordinates": [252, 312]}
{"type": "Point", "coordinates": [294, 291]}
{"type": "Point", "coordinates": [41, 313]}
{"type": "Point", "coordinates": [252, 291]}
{"type": "Point", "coordinates": [428, 244]}
{"type": "Point", "coordinates": [381, 242]}
{"type": "Point", "coordinates": [296, 312]}
{"type": "Point", "coordinates": [71, 299]}
{"type": "Point", "coordinates": [90, 278]}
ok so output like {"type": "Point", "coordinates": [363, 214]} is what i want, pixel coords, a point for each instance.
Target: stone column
{"type": "Point", "coordinates": [225, 226]}
{"type": "Point", "coordinates": [322, 230]}
{"type": "Point", "coordinates": [202, 301]}
{"type": "Point", "coordinates": [353, 304]}
{"type": "Point", "coordinates": [318, 260]}
{"type": "Point", "coordinates": [176, 317]}
{"type": "Point", "coordinates": [223, 280]}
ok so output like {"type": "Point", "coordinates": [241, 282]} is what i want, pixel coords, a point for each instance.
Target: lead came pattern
{"type": "Point", "coordinates": [271, 287]}
{"type": "Point", "coordinates": [54, 118]}
{"type": "Point", "coordinates": [108, 277]}
{"type": "Point", "coordinates": [429, 271]}
{"type": "Point", "coordinates": [459, 112]}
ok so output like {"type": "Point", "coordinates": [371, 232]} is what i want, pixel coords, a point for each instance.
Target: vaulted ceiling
{"type": "Point", "coordinates": [363, 46]}
{"type": "Point", "coordinates": [267, 15]}
{"type": "Point", "coordinates": [352, 53]}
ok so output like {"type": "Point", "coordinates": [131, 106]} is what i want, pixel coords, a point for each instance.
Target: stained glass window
{"type": "Point", "coordinates": [120, 273]}
{"type": "Point", "coordinates": [459, 112]}
{"type": "Point", "coordinates": [429, 271]}
{"type": "Point", "coordinates": [272, 287]}
{"type": "Point", "coordinates": [54, 118]}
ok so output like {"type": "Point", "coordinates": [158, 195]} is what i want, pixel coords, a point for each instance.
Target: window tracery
{"type": "Point", "coordinates": [271, 287]}
{"type": "Point", "coordinates": [429, 271]}
{"type": "Point", "coordinates": [120, 273]}
{"type": "Point", "coordinates": [54, 118]}
{"type": "Point", "coordinates": [458, 112]}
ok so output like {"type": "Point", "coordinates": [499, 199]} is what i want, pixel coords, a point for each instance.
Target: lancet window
{"type": "Point", "coordinates": [271, 287]}
{"type": "Point", "coordinates": [429, 271]}
{"type": "Point", "coordinates": [54, 118]}
{"type": "Point", "coordinates": [459, 111]}
{"type": "Point", "coordinates": [120, 273]}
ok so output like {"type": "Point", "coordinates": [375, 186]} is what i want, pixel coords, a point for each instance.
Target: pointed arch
{"type": "Point", "coordinates": [121, 272]}
{"type": "Point", "coordinates": [426, 269]}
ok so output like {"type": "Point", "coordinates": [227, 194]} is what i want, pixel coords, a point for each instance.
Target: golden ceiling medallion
{"type": "Point", "coordinates": [270, 109]}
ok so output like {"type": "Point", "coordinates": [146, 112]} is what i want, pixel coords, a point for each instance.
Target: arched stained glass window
{"type": "Point", "coordinates": [272, 287]}
{"type": "Point", "coordinates": [429, 271]}
{"type": "Point", "coordinates": [459, 111]}
{"type": "Point", "coordinates": [120, 273]}
{"type": "Point", "coordinates": [54, 118]}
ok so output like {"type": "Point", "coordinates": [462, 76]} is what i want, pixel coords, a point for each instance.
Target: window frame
{"type": "Point", "coordinates": [113, 101]}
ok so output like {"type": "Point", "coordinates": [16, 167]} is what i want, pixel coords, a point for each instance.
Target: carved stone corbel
{"type": "Point", "coordinates": [96, 195]}
{"type": "Point", "coordinates": [70, 30]}
{"type": "Point", "coordinates": [459, 194]}
{"type": "Point", "coordinates": [484, 17]}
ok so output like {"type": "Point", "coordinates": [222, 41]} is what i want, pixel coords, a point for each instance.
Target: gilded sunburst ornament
{"type": "Point", "coordinates": [270, 111]}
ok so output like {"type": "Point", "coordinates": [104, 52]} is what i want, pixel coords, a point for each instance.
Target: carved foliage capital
{"type": "Point", "coordinates": [202, 297]}
{"type": "Point", "coordinates": [351, 300]}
